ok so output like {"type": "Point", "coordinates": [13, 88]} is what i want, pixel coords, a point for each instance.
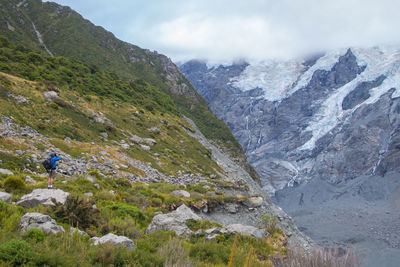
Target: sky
{"type": "Point", "coordinates": [222, 31]}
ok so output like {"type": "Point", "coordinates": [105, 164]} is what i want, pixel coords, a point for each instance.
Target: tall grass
{"type": "Point", "coordinates": [318, 258]}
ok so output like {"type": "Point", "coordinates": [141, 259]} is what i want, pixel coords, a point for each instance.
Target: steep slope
{"type": "Point", "coordinates": [51, 29]}
{"type": "Point", "coordinates": [321, 133]}
{"type": "Point", "coordinates": [122, 155]}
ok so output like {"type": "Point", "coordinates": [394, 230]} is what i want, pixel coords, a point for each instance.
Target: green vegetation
{"type": "Point", "coordinates": [127, 212]}
{"type": "Point", "coordinates": [67, 34]}
{"type": "Point", "coordinates": [13, 183]}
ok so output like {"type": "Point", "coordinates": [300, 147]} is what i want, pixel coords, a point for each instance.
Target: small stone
{"type": "Point", "coordinates": [29, 180]}
{"type": "Point", "coordinates": [144, 147]}
{"type": "Point", "coordinates": [73, 230]}
{"type": "Point", "coordinates": [50, 95]}
{"type": "Point", "coordinates": [19, 152]}
{"type": "Point", "coordinates": [231, 207]}
{"type": "Point", "coordinates": [5, 197]}
{"type": "Point", "coordinates": [88, 194]}
{"type": "Point", "coordinates": [6, 172]}
{"type": "Point", "coordinates": [254, 202]}
{"type": "Point", "coordinates": [90, 178]}
{"type": "Point", "coordinates": [97, 186]}
{"type": "Point", "coordinates": [213, 176]}
{"type": "Point", "coordinates": [64, 182]}
{"type": "Point", "coordinates": [181, 193]}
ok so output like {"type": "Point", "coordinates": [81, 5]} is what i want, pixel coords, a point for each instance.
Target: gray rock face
{"type": "Point", "coordinates": [114, 240]}
{"type": "Point", "coordinates": [174, 221]}
{"type": "Point", "coordinates": [181, 193]}
{"type": "Point", "coordinates": [41, 222]}
{"type": "Point", "coordinates": [5, 197]}
{"type": "Point", "coordinates": [43, 197]}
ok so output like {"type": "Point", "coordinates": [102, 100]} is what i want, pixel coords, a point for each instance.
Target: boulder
{"type": "Point", "coordinates": [43, 197]}
{"type": "Point", "coordinates": [50, 95]}
{"type": "Point", "coordinates": [29, 180]}
{"type": "Point", "coordinates": [39, 221]}
{"type": "Point", "coordinates": [245, 230]}
{"type": "Point", "coordinates": [6, 172]}
{"type": "Point", "coordinates": [5, 197]}
{"type": "Point", "coordinates": [114, 240]}
{"type": "Point", "coordinates": [73, 230]}
{"type": "Point", "coordinates": [181, 193]}
{"type": "Point", "coordinates": [254, 202]}
{"type": "Point", "coordinates": [174, 221]}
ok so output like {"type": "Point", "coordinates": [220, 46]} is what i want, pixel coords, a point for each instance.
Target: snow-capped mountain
{"type": "Point", "coordinates": [291, 116]}
{"type": "Point", "coordinates": [324, 136]}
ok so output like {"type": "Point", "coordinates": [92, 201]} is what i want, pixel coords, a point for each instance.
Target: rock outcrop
{"type": "Point", "coordinates": [114, 240]}
{"type": "Point", "coordinates": [174, 221]}
{"type": "Point", "coordinates": [43, 197]}
{"type": "Point", "coordinates": [41, 222]}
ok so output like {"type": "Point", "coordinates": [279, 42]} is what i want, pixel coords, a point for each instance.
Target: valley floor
{"type": "Point", "coordinates": [356, 215]}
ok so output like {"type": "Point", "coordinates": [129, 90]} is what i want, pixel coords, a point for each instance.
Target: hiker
{"type": "Point", "coordinates": [52, 170]}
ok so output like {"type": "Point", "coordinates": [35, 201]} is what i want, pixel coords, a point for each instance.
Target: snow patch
{"type": "Point", "coordinates": [378, 61]}
{"type": "Point", "coordinates": [276, 78]}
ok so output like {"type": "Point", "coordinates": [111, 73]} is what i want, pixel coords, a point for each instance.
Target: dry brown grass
{"type": "Point", "coordinates": [333, 257]}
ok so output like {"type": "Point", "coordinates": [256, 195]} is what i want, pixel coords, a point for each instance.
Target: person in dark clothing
{"type": "Point", "coordinates": [52, 173]}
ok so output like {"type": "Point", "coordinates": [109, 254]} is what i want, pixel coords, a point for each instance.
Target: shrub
{"type": "Point", "coordinates": [34, 234]}
{"type": "Point", "coordinates": [270, 223]}
{"type": "Point", "coordinates": [14, 183]}
{"type": "Point", "coordinates": [15, 252]}
{"type": "Point", "coordinates": [201, 225]}
{"type": "Point", "coordinates": [78, 211]}
{"type": "Point", "coordinates": [124, 210]}
{"type": "Point", "coordinates": [123, 182]}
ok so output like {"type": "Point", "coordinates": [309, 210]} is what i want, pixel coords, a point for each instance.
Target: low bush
{"type": "Point", "coordinates": [14, 183]}
{"type": "Point", "coordinates": [15, 252]}
{"type": "Point", "coordinates": [78, 212]}
{"type": "Point", "coordinates": [35, 235]}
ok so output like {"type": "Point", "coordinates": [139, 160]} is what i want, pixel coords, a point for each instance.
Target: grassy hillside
{"type": "Point", "coordinates": [66, 33]}
{"type": "Point", "coordinates": [122, 207]}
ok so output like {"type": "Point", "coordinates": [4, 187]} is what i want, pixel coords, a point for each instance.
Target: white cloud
{"type": "Point", "coordinates": [222, 30]}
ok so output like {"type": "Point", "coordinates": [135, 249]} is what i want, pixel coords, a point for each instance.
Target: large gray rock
{"type": "Point", "coordinates": [5, 197]}
{"type": "Point", "coordinates": [50, 95]}
{"type": "Point", "coordinates": [6, 172]}
{"type": "Point", "coordinates": [41, 222]}
{"type": "Point", "coordinates": [246, 230]}
{"type": "Point", "coordinates": [174, 221]}
{"type": "Point", "coordinates": [43, 197]}
{"type": "Point", "coordinates": [181, 193]}
{"type": "Point", "coordinates": [114, 240]}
